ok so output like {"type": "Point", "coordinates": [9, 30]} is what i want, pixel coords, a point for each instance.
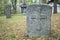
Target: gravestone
{"type": "Point", "coordinates": [38, 20]}
{"type": "Point", "coordinates": [23, 7]}
{"type": "Point", "coordinates": [8, 11]}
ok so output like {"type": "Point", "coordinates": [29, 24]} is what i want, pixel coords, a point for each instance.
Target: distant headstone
{"type": "Point", "coordinates": [23, 7]}
{"type": "Point", "coordinates": [38, 20]}
{"type": "Point", "coordinates": [8, 11]}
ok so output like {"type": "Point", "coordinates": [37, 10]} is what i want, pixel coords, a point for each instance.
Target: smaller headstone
{"type": "Point", "coordinates": [8, 11]}
{"type": "Point", "coordinates": [23, 7]}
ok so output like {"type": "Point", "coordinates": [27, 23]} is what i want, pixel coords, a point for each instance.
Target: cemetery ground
{"type": "Point", "coordinates": [15, 28]}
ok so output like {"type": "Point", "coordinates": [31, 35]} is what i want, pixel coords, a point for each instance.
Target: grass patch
{"type": "Point", "coordinates": [13, 17]}
{"type": "Point", "coordinates": [12, 35]}
{"type": "Point", "coordinates": [15, 27]}
{"type": "Point", "coordinates": [12, 27]}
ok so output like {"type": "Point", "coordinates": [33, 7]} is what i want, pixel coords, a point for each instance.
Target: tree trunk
{"type": "Point", "coordinates": [55, 6]}
{"type": "Point", "coordinates": [14, 6]}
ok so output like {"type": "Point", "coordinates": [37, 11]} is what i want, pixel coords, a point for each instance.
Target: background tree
{"type": "Point", "coordinates": [55, 6]}
{"type": "Point", "coordinates": [1, 7]}
{"type": "Point", "coordinates": [14, 2]}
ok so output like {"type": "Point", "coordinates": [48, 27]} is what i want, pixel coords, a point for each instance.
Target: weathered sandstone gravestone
{"type": "Point", "coordinates": [8, 11]}
{"type": "Point", "coordinates": [38, 20]}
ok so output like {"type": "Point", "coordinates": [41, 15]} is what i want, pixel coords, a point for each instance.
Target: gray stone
{"type": "Point", "coordinates": [38, 20]}
{"type": "Point", "coordinates": [8, 11]}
